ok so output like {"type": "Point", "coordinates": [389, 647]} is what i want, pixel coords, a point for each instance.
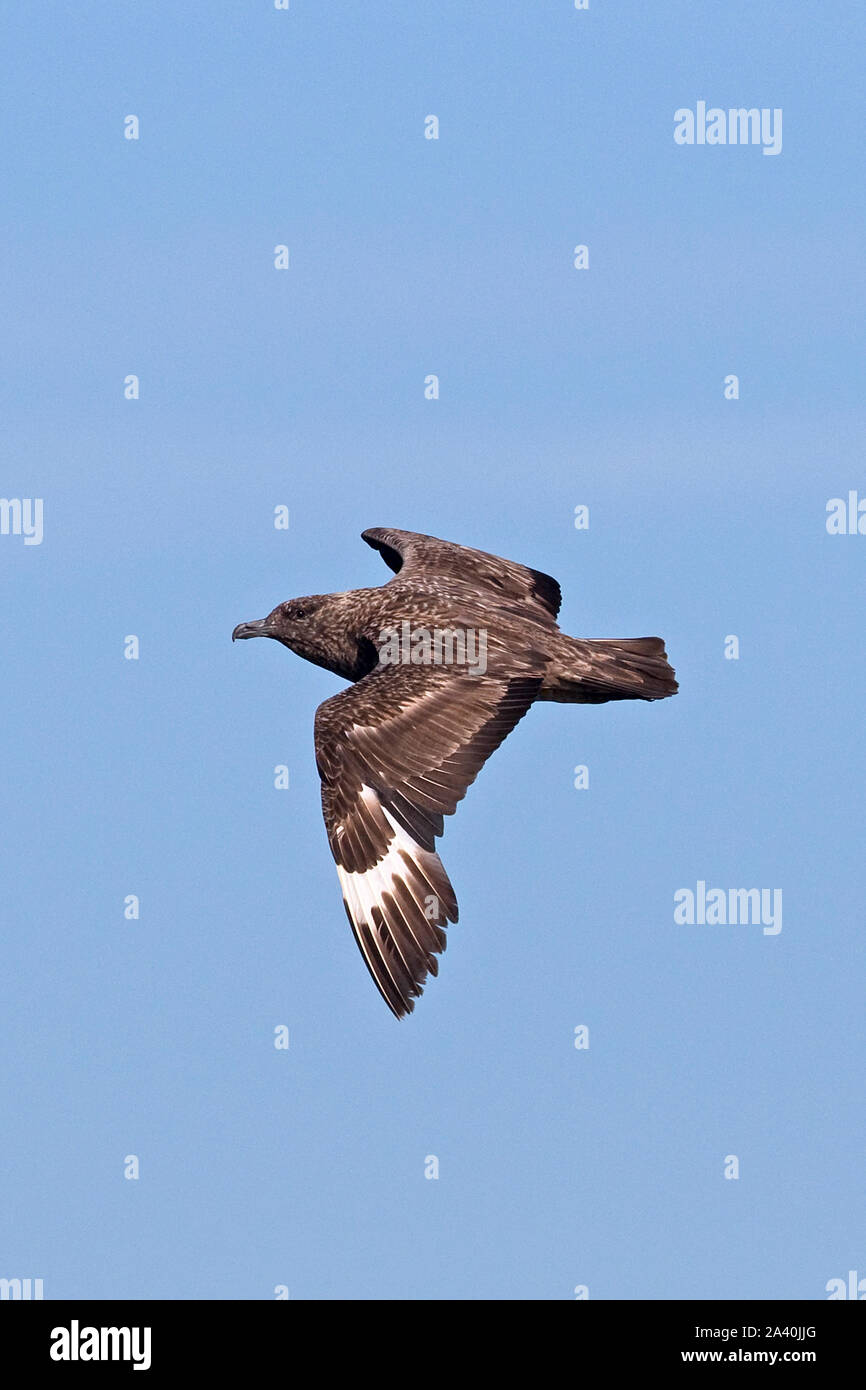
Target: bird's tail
{"type": "Point", "coordinates": [590, 672]}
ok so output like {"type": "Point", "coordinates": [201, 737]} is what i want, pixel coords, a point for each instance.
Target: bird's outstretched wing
{"type": "Point", "coordinates": [411, 555]}
{"type": "Point", "coordinates": [396, 752]}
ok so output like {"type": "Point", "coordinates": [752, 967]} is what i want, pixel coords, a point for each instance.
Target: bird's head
{"type": "Point", "coordinates": [315, 628]}
{"type": "Point", "coordinates": [290, 623]}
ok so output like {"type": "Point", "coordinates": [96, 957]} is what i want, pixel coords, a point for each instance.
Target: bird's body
{"type": "Point", "coordinates": [444, 660]}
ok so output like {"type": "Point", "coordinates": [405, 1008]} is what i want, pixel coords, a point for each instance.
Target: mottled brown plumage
{"type": "Point", "coordinates": [397, 750]}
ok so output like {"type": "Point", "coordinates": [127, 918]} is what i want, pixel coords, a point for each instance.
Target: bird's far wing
{"type": "Point", "coordinates": [396, 752]}
{"type": "Point", "coordinates": [537, 594]}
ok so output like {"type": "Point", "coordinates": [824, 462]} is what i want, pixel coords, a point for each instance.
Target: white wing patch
{"type": "Point", "coordinates": [397, 909]}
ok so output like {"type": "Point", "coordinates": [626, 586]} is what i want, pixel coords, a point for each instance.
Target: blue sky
{"type": "Point", "coordinates": [558, 1167]}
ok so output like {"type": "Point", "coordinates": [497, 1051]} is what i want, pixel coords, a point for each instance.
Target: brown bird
{"type": "Point", "coordinates": [445, 659]}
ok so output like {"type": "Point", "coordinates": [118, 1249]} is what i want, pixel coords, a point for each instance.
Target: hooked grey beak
{"type": "Point", "coordinates": [261, 628]}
